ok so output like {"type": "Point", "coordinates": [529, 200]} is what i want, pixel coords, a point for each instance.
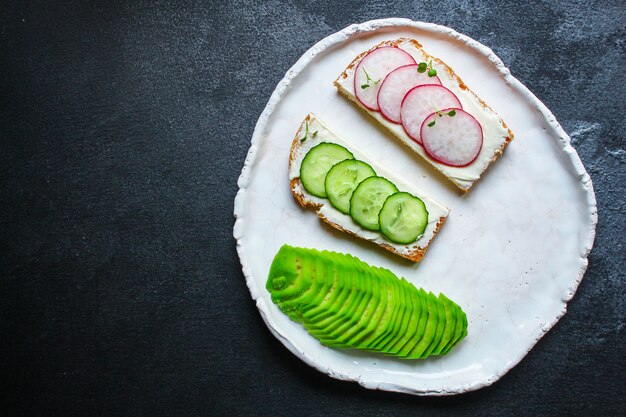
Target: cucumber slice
{"type": "Point", "coordinates": [403, 218]}
{"type": "Point", "coordinates": [316, 164]}
{"type": "Point", "coordinates": [342, 179]}
{"type": "Point", "coordinates": [368, 199]}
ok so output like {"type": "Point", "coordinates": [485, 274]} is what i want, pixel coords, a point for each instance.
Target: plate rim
{"type": "Point", "coordinates": [283, 86]}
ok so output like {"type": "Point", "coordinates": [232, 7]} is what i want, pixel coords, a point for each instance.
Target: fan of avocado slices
{"type": "Point", "coordinates": [346, 303]}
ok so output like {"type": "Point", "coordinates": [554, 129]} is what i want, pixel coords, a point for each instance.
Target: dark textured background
{"type": "Point", "coordinates": [124, 126]}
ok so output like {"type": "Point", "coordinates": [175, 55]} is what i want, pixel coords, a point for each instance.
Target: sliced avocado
{"type": "Point", "coordinates": [387, 327]}
{"type": "Point", "coordinates": [461, 317]}
{"type": "Point", "coordinates": [326, 273]}
{"type": "Point", "coordinates": [399, 327]}
{"type": "Point", "coordinates": [429, 331]}
{"type": "Point", "coordinates": [344, 302]}
{"type": "Point", "coordinates": [290, 302]}
{"type": "Point", "coordinates": [402, 318]}
{"type": "Point", "coordinates": [382, 311]}
{"type": "Point", "coordinates": [416, 336]}
{"type": "Point", "coordinates": [331, 304]}
{"type": "Point", "coordinates": [383, 317]}
{"type": "Point", "coordinates": [441, 323]}
{"type": "Point", "coordinates": [448, 330]}
{"type": "Point", "coordinates": [317, 314]}
{"type": "Point", "coordinates": [371, 295]}
{"type": "Point", "coordinates": [464, 327]}
{"type": "Point", "coordinates": [346, 312]}
{"type": "Point", "coordinates": [458, 329]}
{"type": "Point", "coordinates": [371, 315]}
{"type": "Point", "coordinates": [369, 282]}
{"type": "Point", "coordinates": [285, 272]}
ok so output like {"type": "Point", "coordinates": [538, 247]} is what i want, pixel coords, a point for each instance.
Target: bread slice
{"type": "Point", "coordinates": [299, 148]}
{"type": "Point", "coordinates": [496, 134]}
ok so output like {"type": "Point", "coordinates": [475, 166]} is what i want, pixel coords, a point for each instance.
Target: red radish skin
{"type": "Point", "coordinates": [453, 140]}
{"type": "Point", "coordinates": [420, 102]}
{"type": "Point", "coordinates": [377, 63]}
{"type": "Point", "coordinates": [395, 86]}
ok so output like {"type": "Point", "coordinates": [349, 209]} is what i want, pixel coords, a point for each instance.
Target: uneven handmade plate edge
{"type": "Point", "coordinates": [244, 180]}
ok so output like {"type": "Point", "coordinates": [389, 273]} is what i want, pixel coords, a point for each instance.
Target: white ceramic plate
{"type": "Point", "coordinates": [512, 252]}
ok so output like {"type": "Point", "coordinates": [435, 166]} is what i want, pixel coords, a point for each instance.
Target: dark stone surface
{"type": "Point", "coordinates": [123, 128]}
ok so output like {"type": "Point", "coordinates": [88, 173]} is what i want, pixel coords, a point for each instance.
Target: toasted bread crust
{"type": "Point", "coordinates": [295, 184]}
{"type": "Point", "coordinates": [416, 44]}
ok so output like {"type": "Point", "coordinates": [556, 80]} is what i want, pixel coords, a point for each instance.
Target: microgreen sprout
{"type": "Point", "coordinates": [306, 132]}
{"type": "Point", "coordinates": [451, 113]}
{"type": "Point", "coordinates": [367, 84]}
{"type": "Point", "coordinates": [423, 66]}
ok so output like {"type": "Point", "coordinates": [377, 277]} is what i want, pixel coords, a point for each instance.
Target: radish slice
{"type": "Point", "coordinates": [421, 101]}
{"type": "Point", "coordinates": [452, 140]}
{"type": "Point", "coordinates": [373, 69]}
{"type": "Point", "coordinates": [395, 86]}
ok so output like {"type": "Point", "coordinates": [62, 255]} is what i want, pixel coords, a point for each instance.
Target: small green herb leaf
{"type": "Point", "coordinates": [368, 79]}
{"type": "Point", "coordinates": [315, 133]}
{"type": "Point", "coordinates": [306, 131]}
{"type": "Point", "coordinates": [431, 72]}
{"type": "Point", "coordinates": [421, 67]}
{"type": "Point", "coordinates": [431, 124]}
{"type": "Point", "coordinates": [451, 113]}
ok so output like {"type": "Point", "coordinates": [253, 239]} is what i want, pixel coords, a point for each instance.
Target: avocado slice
{"type": "Point", "coordinates": [448, 330]}
{"type": "Point", "coordinates": [429, 331]}
{"type": "Point", "coordinates": [323, 311]}
{"type": "Point", "coordinates": [381, 318]}
{"type": "Point", "coordinates": [371, 315]}
{"type": "Point", "coordinates": [290, 300]}
{"type": "Point", "coordinates": [357, 294]}
{"type": "Point", "coordinates": [416, 336]}
{"type": "Point", "coordinates": [387, 329]}
{"type": "Point", "coordinates": [333, 301]}
{"type": "Point", "coordinates": [371, 295]}
{"type": "Point", "coordinates": [285, 276]}
{"type": "Point", "coordinates": [325, 272]}
{"type": "Point", "coordinates": [441, 322]}
{"type": "Point", "coordinates": [400, 320]}
{"type": "Point", "coordinates": [460, 331]}
{"type": "Point", "coordinates": [346, 311]}
{"type": "Point", "coordinates": [403, 318]}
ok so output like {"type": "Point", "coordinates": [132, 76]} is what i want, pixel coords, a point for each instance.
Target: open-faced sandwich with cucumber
{"type": "Point", "coordinates": [352, 193]}
{"type": "Point", "coordinates": [424, 104]}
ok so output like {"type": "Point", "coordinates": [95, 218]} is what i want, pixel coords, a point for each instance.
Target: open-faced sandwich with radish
{"type": "Point", "coordinates": [352, 193]}
{"type": "Point", "coordinates": [421, 100]}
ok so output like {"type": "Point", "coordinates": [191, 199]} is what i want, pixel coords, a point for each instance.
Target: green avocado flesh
{"type": "Point", "coordinates": [345, 303]}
